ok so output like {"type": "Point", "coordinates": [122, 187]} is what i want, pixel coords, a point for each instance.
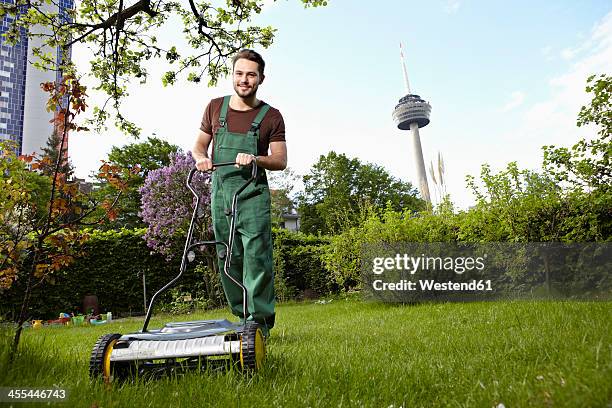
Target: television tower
{"type": "Point", "coordinates": [411, 113]}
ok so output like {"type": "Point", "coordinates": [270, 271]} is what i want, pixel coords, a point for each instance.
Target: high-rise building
{"type": "Point", "coordinates": [23, 114]}
{"type": "Point", "coordinates": [411, 113]}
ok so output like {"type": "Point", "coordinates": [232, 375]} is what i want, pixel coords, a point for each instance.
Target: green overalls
{"type": "Point", "coordinates": [251, 261]}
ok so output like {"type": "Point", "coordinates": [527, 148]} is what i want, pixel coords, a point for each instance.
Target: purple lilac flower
{"type": "Point", "coordinates": [167, 203]}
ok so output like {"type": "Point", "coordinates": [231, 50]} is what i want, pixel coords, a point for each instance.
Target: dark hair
{"type": "Point", "coordinates": [251, 56]}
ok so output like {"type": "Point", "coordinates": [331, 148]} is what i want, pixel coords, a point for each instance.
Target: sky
{"type": "Point", "coordinates": [503, 80]}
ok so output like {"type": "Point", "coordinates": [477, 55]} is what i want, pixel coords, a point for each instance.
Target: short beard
{"type": "Point", "coordinates": [250, 92]}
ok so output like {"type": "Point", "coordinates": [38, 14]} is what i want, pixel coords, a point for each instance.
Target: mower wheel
{"type": "Point", "coordinates": [99, 362]}
{"type": "Point", "coordinates": [252, 348]}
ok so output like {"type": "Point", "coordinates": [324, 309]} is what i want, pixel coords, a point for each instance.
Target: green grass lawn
{"type": "Point", "coordinates": [350, 353]}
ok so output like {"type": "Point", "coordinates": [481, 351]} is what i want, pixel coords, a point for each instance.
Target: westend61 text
{"type": "Point", "coordinates": [431, 285]}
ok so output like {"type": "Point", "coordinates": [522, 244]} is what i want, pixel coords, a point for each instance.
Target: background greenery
{"type": "Point", "coordinates": [515, 206]}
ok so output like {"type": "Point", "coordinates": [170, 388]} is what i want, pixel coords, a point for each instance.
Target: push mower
{"type": "Point", "coordinates": [184, 345]}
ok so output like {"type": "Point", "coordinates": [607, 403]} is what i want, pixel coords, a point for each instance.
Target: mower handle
{"type": "Point", "coordinates": [193, 171]}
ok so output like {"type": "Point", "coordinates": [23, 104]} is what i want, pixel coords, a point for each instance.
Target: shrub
{"type": "Point", "coordinates": [298, 265]}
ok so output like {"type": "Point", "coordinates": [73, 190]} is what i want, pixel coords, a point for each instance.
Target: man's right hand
{"type": "Point", "coordinates": [204, 164]}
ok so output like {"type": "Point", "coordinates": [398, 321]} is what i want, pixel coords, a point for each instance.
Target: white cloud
{"type": "Point", "coordinates": [568, 89]}
{"type": "Point", "coordinates": [568, 53]}
{"type": "Point", "coordinates": [516, 99]}
{"type": "Point", "coordinates": [599, 40]}
{"type": "Point", "coordinates": [547, 52]}
{"type": "Point", "coordinates": [602, 33]}
{"type": "Point", "coordinates": [452, 6]}
{"type": "Point", "coordinates": [553, 120]}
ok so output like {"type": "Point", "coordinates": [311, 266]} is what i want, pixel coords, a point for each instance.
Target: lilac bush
{"type": "Point", "coordinates": [167, 205]}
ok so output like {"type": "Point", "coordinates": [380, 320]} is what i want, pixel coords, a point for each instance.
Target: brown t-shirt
{"type": "Point", "coordinates": [272, 128]}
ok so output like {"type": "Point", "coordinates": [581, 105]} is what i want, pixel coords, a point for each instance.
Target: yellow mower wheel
{"type": "Point", "coordinates": [252, 348]}
{"type": "Point", "coordinates": [100, 364]}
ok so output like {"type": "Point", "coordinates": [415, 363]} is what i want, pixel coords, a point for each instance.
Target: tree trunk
{"type": "Point", "coordinates": [23, 314]}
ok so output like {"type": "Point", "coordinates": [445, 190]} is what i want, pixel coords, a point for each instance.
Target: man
{"type": "Point", "coordinates": [242, 129]}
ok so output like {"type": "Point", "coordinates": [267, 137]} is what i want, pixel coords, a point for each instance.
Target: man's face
{"type": "Point", "coordinates": [246, 78]}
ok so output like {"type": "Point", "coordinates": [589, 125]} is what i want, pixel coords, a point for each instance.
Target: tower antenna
{"type": "Point", "coordinates": [403, 61]}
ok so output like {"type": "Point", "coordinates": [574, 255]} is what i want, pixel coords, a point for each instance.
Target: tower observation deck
{"type": "Point", "coordinates": [411, 108]}
{"type": "Point", "coordinates": [411, 113]}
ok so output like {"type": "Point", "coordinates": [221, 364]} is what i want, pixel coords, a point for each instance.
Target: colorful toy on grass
{"type": "Point", "coordinates": [97, 322]}
{"type": "Point", "coordinates": [67, 319]}
{"type": "Point", "coordinates": [78, 320]}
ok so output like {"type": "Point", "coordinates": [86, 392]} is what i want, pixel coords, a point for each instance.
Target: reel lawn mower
{"type": "Point", "coordinates": [184, 345]}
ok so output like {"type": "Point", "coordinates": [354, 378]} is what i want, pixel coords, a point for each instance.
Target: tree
{"type": "Point", "coordinates": [586, 167]}
{"type": "Point", "coordinates": [43, 214]}
{"type": "Point", "coordinates": [124, 35]}
{"type": "Point", "coordinates": [20, 201]}
{"type": "Point", "coordinates": [282, 193]}
{"type": "Point", "coordinates": [151, 154]}
{"type": "Point", "coordinates": [587, 164]}
{"type": "Point", "coordinates": [338, 188]}
{"type": "Point", "coordinates": [140, 158]}
{"type": "Point", "coordinates": [50, 156]}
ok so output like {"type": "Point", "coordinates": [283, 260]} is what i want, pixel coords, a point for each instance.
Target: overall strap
{"type": "Point", "coordinates": [223, 114]}
{"type": "Point", "coordinates": [257, 121]}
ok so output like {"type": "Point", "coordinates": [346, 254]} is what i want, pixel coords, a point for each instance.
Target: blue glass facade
{"type": "Point", "coordinates": [13, 60]}
{"type": "Point", "coordinates": [63, 6]}
{"type": "Point", "coordinates": [13, 76]}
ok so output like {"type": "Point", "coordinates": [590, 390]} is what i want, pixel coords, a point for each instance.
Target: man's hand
{"type": "Point", "coordinates": [204, 164]}
{"type": "Point", "coordinates": [199, 152]}
{"type": "Point", "coordinates": [242, 159]}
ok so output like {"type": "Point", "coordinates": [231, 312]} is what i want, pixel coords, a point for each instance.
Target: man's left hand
{"type": "Point", "coordinates": [242, 159]}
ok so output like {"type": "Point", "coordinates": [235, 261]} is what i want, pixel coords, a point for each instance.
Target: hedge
{"type": "Point", "coordinates": [298, 265]}
{"type": "Point", "coordinates": [114, 261]}
{"type": "Point", "coordinates": [111, 269]}
{"type": "Point", "coordinates": [578, 218]}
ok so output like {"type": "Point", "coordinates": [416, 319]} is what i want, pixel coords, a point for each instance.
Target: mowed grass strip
{"type": "Point", "coordinates": [351, 353]}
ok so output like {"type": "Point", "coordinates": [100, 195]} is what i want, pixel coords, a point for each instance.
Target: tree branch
{"type": "Point", "coordinates": [118, 19]}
